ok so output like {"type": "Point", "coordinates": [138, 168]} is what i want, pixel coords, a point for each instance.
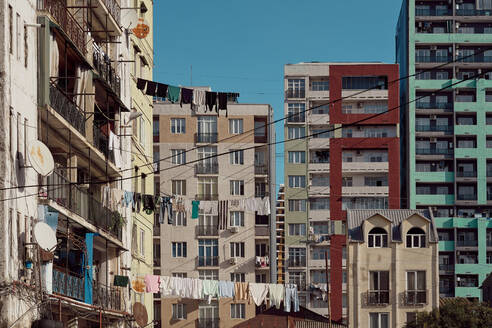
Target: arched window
{"type": "Point", "coordinates": [415, 238]}
{"type": "Point", "coordinates": [378, 237]}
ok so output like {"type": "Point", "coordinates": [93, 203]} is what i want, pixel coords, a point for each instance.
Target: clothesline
{"type": "Point", "coordinates": [199, 289]}
{"type": "Point", "coordinates": [198, 99]}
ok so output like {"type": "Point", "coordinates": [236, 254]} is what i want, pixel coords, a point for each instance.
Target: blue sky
{"type": "Point", "coordinates": [242, 46]}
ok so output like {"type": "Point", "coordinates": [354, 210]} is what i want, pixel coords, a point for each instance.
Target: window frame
{"type": "Point", "coordinates": [236, 156]}
{"type": "Point", "coordinates": [415, 240]}
{"type": "Point", "coordinates": [238, 311]}
{"type": "Point", "coordinates": [237, 249]}
{"type": "Point", "coordinates": [179, 311]}
{"type": "Point", "coordinates": [236, 217]}
{"type": "Point", "coordinates": [178, 187]}
{"type": "Point", "coordinates": [373, 238]}
{"type": "Point", "coordinates": [179, 249]}
{"type": "Point", "coordinates": [178, 125]}
{"type": "Point", "coordinates": [236, 126]}
{"type": "Point", "coordinates": [237, 187]}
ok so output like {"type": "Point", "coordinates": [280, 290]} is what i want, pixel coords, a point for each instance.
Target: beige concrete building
{"type": "Point", "coordinates": [196, 248]}
{"type": "Point", "coordinates": [392, 269]}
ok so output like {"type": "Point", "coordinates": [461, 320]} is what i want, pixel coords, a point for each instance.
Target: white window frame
{"type": "Point", "coordinates": [237, 249]}
{"type": "Point", "coordinates": [297, 181]}
{"type": "Point", "coordinates": [179, 219]}
{"type": "Point", "coordinates": [238, 277]}
{"type": "Point", "coordinates": [296, 157]}
{"type": "Point", "coordinates": [141, 134]}
{"type": "Point", "coordinates": [237, 156]}
{"type": "Point", "coordinates": [297, 205]}
{"type": "Point", "coordinates": [416, 240]}
{"type": "Point", "coordinates": [238, 311]}
{"type": "Point", "coordinates": [378, 240]}
{"type": "Point", "coordinates": [235, 126]}
{"type": "Point", "coordinates": [178, 125]}
{"type": "Point", "coordinates": [296, 132]}
{"type": "Point", "coordinates": [142, 242]}
{"type": "Point", "coordinates": [237, 187]}
{"type": "Point", "coordinates": [207, 186]}
{"type": "Point", "coordinates": [237, 219]}
{"type": "Point", "coordinates": [297, 229]}
{"type": "Point", "coordinates": [179, 311]}
{"type": "Point", "coordinates": [178, 187]}
{"type": "Point", "coordinates": [180, 251]}
{"type": "Point", "coordinates": [208, 274]}
{"type": "Point", "coordinates": [180, 274]}
{"type": "Point", "coordinates": [379, 319]}
{"type": "Point", "coordinates": [178, 156]}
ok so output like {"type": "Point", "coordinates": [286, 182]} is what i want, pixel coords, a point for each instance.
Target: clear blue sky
{"type": "Point", "coordinates": [242, 46]}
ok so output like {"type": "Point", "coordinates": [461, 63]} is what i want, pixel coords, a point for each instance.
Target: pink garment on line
{"type": "Point", "coordinates": [152, 283]}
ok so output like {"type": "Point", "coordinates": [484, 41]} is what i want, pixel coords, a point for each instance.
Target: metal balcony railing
{"type": "Point", "coordinates": [428, 105]}
{"type": "Point", "coordinates": [114, 9]}
{"type": "Point", "coordinates": [68, 284]}
{"type": "Point", "coordinates": [415, 297]}
{"type": "Point", "coordinates": [65, 106]}
{"type": "Point", "coordinates": [207, 261]}
{"type": "Point", "coordinates": [433, 12]}
{"type": "Point", "coordinates": [467, 196]}
{"type": "Point", "coordinates": [296, 262]}
{"type": "Point", "coordinates": [378, 297]}
{"type": "Point", "coordinates": [437, 151]}
{"type": "Point", "coordinates": [474, 59]}
{"type": "Point", "coordinates": [58, 10]}
{"type": "Point", "coordinates": [102, 63]}
{"type": "Point", "coordinates": [207, 196]}
{"type": "Point", "coordinates": [208, 323]}
{"type": "Point", "coordinates": [295, 93]}
{"type": "Point", "coordinates": [470, 243]}
{"type": "Point", "coordinates": [433, 59]}
{"type": "Point", "coordinates": [78, 201]}
{"type": "Point", "coordinates": [473, 12]}
{"type": "Point", "coordinates": [107, 297]}
{"type": "Point", "coordinates": [433, 128]}
{"type": "Point", "coordinates": [296, 118]}
{"type": "Point", "coordinates": [466, 174]}
{"type": "Point", "coordinates": [207, 168]}
{"type": "Point", "coordinates": [207, 230]}
{"type": "Point", "coordinates": [261, 169]}
{"type": "Point", "coordinates": [446, 267]}
{"type": "Point", "coordinates": [206, 137]}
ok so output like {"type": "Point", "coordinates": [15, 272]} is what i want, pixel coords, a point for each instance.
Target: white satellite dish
{"type": "Point", "coordinates": [45, 236]}
{"type": "Point", "coordinates": [40, 158]}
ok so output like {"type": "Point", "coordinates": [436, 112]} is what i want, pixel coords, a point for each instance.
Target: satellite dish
{"type": "Point", "coordinates": [45, 236]}
{"type": "Point", "coordinates": [40, 158]}
{"type": "Point", "coordinates": [140, 314]}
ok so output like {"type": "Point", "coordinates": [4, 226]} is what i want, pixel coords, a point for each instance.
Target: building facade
{"type": "Point", "coordinates": [339, 166]}
{"type": "Point", "coordinates": [281, 234]}
{"type": "Point", "coordinates": [393, 271]}
{"type": "Point", "coordinates": [189, 145]}
{"type": "Point", "coordinates": [446, 132]}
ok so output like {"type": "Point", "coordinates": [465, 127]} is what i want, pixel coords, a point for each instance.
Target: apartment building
{"type": "Point", "coordinates": [186, 142]}
{"type": "Point", "coordinates": [66, 90]}
{"type": "Point", "coordinates": [142, 53]}
{"type": "Point", "coordinates": [447, 133]}
{"type": "Point", "coordinates": [392, 266]}
{"type": "Point", "coordinates": [339, 166]}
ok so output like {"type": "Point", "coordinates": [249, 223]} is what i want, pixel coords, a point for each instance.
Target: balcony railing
{"type": "Point", "coordinates": [433, 12]}
{"type": "Point", "coordinates": [467, 196]}
{"type": "Point", "coordinates": [58, 10]}
{"type": "Point", "coordinates": [68, 284]}
{"type": "Point", "coordinates": [208, 168]}
{"type": "Point", "coordinates": [473, 12]}
{"type": "Point", "coordinates": [433, 128]}
{"type": "Point", "coordinates": [297, 262]}
{"type": "Point", "coordinates": [65, 106]}
{"type": "Point", "coordinates": [446, 267]}
{"type": "Point", "coordinates": [78, 201]}
{"type": "Point", "coordinates": [114, 9]}
{"type": "Point", "coordinates": [415, 297]}
{"type": "Point", "coordinates": [206, 137]}
{"type": "Point", "coordinates": [437, 151]}
{"type": "Point", "coordinates": [466, 174]}
{"type": "Point", "coordinates": [107, 297]}
{"type": "Point", "coordinates": [295, 93]}
{"type": "Point", "coordinates": [206, 196]}
{"type": "Point", "coordinates": [208, 323]}
{"type": "Point", "coordinates": [100, 141]}
{"type": "Point", "coordinates": [433, 59]}
{"type": "Point", "coordinates": [296, 118]}
{"type": "Point", "coordinates": [474, 59]}
{"type": "Point", "coordinates": [469, 243]}
{"type": "Point", "coordinates": [102, 63]}
{"type": "Point", "coordinates": [428, 105]}
{"type": "Point", "coordinates": [207, 261]}
{"type": "Point", "coordinates": [261, 169]}
{"type": "Point", "coordinates": [378, 297]}
{"type": "Point", "coordinates": [207, 230]}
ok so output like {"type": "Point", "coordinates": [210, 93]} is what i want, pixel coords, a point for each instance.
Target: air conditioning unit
{"type": "Point", "coordinates": [234, 229]}
{"type": "Point", "coordinates": [233, 260]}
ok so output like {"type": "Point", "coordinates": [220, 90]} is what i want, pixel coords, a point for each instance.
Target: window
{"type": "Point", "coordinates": [416, 280]}
{"type": "Point", "coordinates": [236, 126]}
{"type": "Point", "coordinates": [261, 250]}
{"type": "Point", "coordinates": [180, 274]}
{"type": "Point", "coordinates": [156, 157]}
{"type": "Point", "coordinates": [296, 112]}
{"type": "Point", "coordinates": [316, 204]}
{"type": "Point", "coordinates": [208, 252]}
{"type": "Point", "coordinates": [378, 287]}
{"type": "Point", "coordinates": [238, 277]}
{"type": "Point", "coordinates": [378, 320]}
{"type": "Point", "coordinates": [237, 249]}
{"type": "Point", "coordinates": [320, 85]}
{"type": "Point", "coordinates": [207, 129]}
{"type": "Point", "coordinates": [179, 187]}
{"type": "Point", "coordinates": [237, 219]}
{"type": "Point", "coordinates": [296, 88]}
{"type": "Point", "coordinates": [378, 237]}
{"type": "Point", "coordinates": [11, 30]}
{"type": "Point", "coordinates": [297, 181]}
{"type": "Point", "coordinates": [415, 238]}
{"type": "Point", "coordinates": [179, 311]}
{"type": "Point", "coordinates": [411, 317]}
{"type": "Point", "coordinates": [142, 242]}
{"type": "Point", "coordinates": [298, 278]}
{"type": "Point", "coordinates": [178, 125]}
{"type": "Point", "coordinates": [141, 135]}
{"type": "Point", "coordinates": [179, 218]}
{"type": "Point", "coordinates": [319, 276]}
{"type": "Point", "coordinates": [321, 110]}
{"type": "Point", "coordinates": [297, 256]}
{"type": "Point", "coordinates": [208, 274]}
{"type": "Point", "coordinates": [207, 188]}
{"type": "Point", "coordinates": [297, 205]}
{"type": "Point", "coordinates": [346, 181]}
{"type": "Point", "coordinates": [365, 82]}
{"type": "Point", "coordinates": [238, 311]}
{"type": "Point", "coordinates": [155, 127]}
{"type": "Point", "coordinates": [260, 128]}
{"type": "Point", "coordinates": [237, 187]}
{"type": "Point", "coordinates": [297, 157]}
{"type": "Point", "coordinates": [179, 249]}
{"type": "Point", "coordinates": [319, 253]}
{"type": "Point", "coordinates": [207, 155]}
{"type": "Point", "coordinates": [237, 157]}
{"type": "Point", "coordinates": [18, 43]}
{"type": "Point", "coordinates": [260, 278]}
{"type": "Point", "coordinates": [296, 132]}
{"type": "Point", "coordinates": [297, 229]}
{"type": "Point", "coordinates": [135, 58]}
{"type": "Point", "coordinates": [26, 49]}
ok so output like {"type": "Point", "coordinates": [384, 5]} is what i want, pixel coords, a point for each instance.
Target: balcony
{"type": "Point", "coordinates": [65, 106]}
{"type": "Point", "coordinates": [467, 197]}
{"type": "Point", "coordinates": [447, 106]}
{"type": "Point", "coordinates": [207, 261]}
{"type": "Point", "coordinates": [474, 59]}
{"type": "Point", "coordinates": [207, 230]}
{"type": "Point", "coordinates": [208, 168]}
{"type": "Point", "coordinates": [433, 59]}
{"type": "Point", "coordinates": [206, 196]}
{"type": "Point", "coordinates": [433, 12]}
{"type": "Point", "coordinates": [68, 284]}
{"type": "Point", "coordinates": [415, 297]}
{"type": "Point", "coordinates": [296, 262]}
{"type": "Point", "coordinates": [446, 267]}
{"type": "Point", "coordinates": [206, 137]}
{"type": "Point", "coordinates": [467, 243]}
{"type": "Point", "coordinates": [58, 10]}
{"type": "Point", "coordinates": [296, 118]}
{"type": "Point", "coordinates": [107, 297]}
{"type": "Point", "coordinates": [261, 169]}
{"type": "Point", "coordinates": [100, 141]}
{"type": "Point", "coordinates": [378, 297]}
{"type": "Point", "coordinates": [466, 174]}
{"type": "Point", "coordinates": [208, 323]}
{"type": "Point", "coordinates": [295, 93]}
{"type": "Point", "coordinates": [473, 12]}
{"type": "Point", "coordinates": [79, 202]}
{"type": "Point", "coordinates": [434, 128]}
{"type": "Point", "coordinates": [437, 151]}
{"type": "Point", "coordinates": [106, 72]}
{"type": "Point", "coordinates": [114, 9]}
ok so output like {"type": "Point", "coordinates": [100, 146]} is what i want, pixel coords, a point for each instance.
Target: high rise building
{"type": "Point", "coordinates": [341, 166]}
{"type": "Point", "coordinates": [186, 142]}
{"type": "Point", "coordinates": [446, 156]}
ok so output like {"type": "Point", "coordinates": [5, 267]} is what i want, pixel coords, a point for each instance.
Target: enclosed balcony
{"type": "Point", "coordinates": [438, 10]}
{"type": "Point", "coordinates": [207, 261]}
{"type": "Point", "coordinates": [415, 297]}
{"type": "Point", "coordinates": [207, 168]}
{"type": "Point", "coordinates": [206, 137]}
{"type": "Point", "coordinates": [208, 322]}
{"type": "Point", "coordinates": [207, 230]}
{"type": "Point", "coordinates": [295, 93]}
